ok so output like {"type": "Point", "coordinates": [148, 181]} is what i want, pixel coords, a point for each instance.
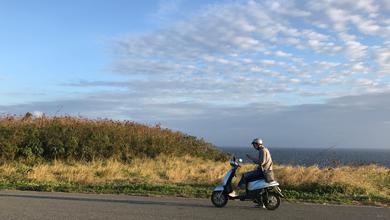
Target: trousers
{"type": "Point", "coordinates": [251, 175]}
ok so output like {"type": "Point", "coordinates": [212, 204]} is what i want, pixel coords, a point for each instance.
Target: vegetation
{"type": "Point", "coordinates": [68, 138]}
{"type": "Point", "coordinates": [195, 177]}
{"type": "Point", "coordinates": [103, 156]}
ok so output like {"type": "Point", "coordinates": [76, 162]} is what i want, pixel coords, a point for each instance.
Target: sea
{"type": "Point", "coordinates": [322, 157]}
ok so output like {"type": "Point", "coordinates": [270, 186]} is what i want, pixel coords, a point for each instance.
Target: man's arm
{"type": "Point", "coordinates": [261, 157]}
{"type": "Point", "coordinates": [254, 160]}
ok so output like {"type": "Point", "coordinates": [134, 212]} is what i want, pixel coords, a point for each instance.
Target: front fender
{"type": "Point", "coordinates": [219, 188]}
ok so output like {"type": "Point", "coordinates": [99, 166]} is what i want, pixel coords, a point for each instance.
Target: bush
{"type": "Point", "coordinates": [80, 139]}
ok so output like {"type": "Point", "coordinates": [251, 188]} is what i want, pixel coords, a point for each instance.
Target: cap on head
{"type": "Point", "coordinates": [257, 141]}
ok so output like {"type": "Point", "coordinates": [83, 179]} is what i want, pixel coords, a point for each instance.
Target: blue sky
{"type": "Point", "coordinates": [227, 71]}
{"type": "Point", "coordinates": [49, 43]}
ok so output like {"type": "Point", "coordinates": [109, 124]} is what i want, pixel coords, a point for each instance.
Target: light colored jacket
{"type": "Point", "coordinates": [265, 160]}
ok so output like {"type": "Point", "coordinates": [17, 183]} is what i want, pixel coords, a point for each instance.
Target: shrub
{"type": "Point", "coordinates": [74, 139]}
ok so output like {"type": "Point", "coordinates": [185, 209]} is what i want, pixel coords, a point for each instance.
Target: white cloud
{"type": "Point", "coordinates": [166, 10]}
{"type": "Point", "coordinates": [359, 67]}
{"type": "Point", "coordinates": [353, 48]}
{"type": "Point", "coordinates": [383, 60]}
{"type": "Point", "coordinates": [280, 53]}
{"type": "Point", "coordinates": [286, 8]}
{"type": "Point", "coordinates": [365, 25]}
{"type": "Point", "coordinates": [258, 40]}
{"type": "Point", "coordinates": [268, 62]}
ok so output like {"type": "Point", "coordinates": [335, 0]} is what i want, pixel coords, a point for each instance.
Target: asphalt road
{"type": "Point", "coordinates": [39, 205]}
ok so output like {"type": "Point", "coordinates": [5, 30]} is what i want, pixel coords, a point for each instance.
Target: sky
{"type": "Point", "coordinates": [294, 73]}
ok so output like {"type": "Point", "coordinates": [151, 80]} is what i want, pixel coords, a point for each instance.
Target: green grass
{"type": "Point", "coordinates": [336, 198]}
{"type": "Point", "coordinates": [180, 190]}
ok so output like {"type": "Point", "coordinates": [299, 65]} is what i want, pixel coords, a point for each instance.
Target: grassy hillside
{"type": "Point", "coordinates": [78, 139]}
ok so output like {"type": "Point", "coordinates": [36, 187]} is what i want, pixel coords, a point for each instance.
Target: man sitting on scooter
{"type": "Point", "coordinates": [264, 170]}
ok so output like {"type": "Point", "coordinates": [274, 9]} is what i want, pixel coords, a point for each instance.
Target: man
{"type": "Point", "coordinates": [264, 169]}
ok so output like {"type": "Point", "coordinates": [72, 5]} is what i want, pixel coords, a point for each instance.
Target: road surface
{"type": "Point", "coordinates": [41, 205]}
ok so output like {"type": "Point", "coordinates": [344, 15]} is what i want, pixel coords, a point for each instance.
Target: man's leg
{"type": "Point", "coordinates": [247, 176]}
{"type": "Point", "coordinates": [255, 175]}
{"type": "Point", "coordinates": [242, 182]}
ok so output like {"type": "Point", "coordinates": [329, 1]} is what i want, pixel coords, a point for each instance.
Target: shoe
{"type": "Point", "coordinates": [233, 194]}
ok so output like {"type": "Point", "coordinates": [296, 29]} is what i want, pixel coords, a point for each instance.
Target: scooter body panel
{"type": "Point", "coordinates": [261, 184]}
{"type": "Point", "coordinates": [227, 177]}
{"type": "Point", "coordinates": [219, 188]}
{"type": "Point", "coordinates": [226, 183]}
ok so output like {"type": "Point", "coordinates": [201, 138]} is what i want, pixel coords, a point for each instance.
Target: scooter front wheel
{"type": "Point", "coordinates": [219, 199]}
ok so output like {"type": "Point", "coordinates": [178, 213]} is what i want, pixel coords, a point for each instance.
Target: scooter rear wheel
{"type": "Point", "coordinates": [219, 199]}
{"type": "Point", "coordinates": [272, 202]}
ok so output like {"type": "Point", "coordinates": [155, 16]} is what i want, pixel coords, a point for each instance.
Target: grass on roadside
{"type": "Point", "coordinates": [195, 177]}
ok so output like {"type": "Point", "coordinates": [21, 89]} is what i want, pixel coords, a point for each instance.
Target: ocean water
{"type": "Point", "coordinates": [320, 157]}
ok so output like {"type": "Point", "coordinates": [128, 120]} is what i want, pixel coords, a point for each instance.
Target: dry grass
{"type": "Point", "coordinates": [163, 169]}
{"type": "Point", "coordinates": [370, 180]}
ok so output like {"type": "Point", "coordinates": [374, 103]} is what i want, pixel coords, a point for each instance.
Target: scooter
{"type": "Point", "coordinates": [258, 191]}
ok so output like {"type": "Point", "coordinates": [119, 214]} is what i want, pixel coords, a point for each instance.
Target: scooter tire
{"type": "Point", "coordinates": [219, 199]}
